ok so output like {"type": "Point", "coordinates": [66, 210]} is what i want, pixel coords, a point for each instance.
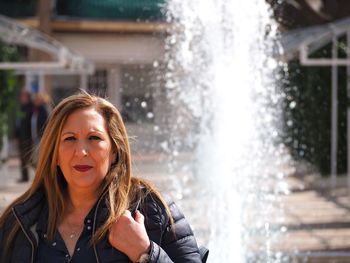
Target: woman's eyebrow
{"type": "Point", "coordinates": [96, 131]}
{"type": "Point", "coordinates": [65, 133]}
{"type": "Point", "coordinates": [90, 132]}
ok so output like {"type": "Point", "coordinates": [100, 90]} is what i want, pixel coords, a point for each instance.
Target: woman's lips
{"type": "Point", "coordinates": [82, 168]}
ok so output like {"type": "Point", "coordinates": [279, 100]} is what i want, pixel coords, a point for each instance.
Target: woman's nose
{"type": "Point", "coordinates": [81, 150]}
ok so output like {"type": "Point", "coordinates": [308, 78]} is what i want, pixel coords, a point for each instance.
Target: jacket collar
{"type": "Point", "coordinates": [29, 210]}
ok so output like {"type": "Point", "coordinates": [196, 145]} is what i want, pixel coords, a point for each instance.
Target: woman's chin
{"type": "Point", "coordinates": [84, 183]}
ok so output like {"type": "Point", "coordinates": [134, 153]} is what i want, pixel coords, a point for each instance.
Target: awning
{"type": "Point", "coordinates": [313, 37]}
{"type": "Point", "coordinates": [65, 60]}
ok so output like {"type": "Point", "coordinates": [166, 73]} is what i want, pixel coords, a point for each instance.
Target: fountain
{"type": "Point", "coordinates": [220, 81]}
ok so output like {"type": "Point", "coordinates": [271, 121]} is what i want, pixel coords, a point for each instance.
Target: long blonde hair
{"type": "Point", "coordinates": [120, 187]}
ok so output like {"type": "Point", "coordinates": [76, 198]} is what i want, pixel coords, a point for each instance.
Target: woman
{"type": "Point", "coordinates": [84, 205]}
{"type": "Point", "coordinates": [40, 114]}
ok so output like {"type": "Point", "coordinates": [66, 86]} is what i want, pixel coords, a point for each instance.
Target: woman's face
{"type": "Point", "coordinates": [85, 150]}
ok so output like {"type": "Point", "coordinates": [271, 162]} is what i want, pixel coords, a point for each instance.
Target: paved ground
{"type": "Point", "coordinates": [9, 188]}
{"type": "Point", "coordinates": [316, 222]}
{"type": "Point", "coordinates": [316, 226]}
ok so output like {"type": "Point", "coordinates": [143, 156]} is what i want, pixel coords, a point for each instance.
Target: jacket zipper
{"type": "Point", "coordinates": [25, 233]}
{"type": "Point", "coordinates": [94, 227]}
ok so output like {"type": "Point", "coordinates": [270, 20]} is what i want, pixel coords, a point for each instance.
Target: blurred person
{"type": "Point", "coordinates": [84, 204]}
{"type": "Point", "coordinates": [23, 133]}
{"type": "Point", "coordinates": [40, 114]}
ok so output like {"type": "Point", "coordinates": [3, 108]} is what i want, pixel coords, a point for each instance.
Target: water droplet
{"type": "Point", "coordinates": [172, 40]}
{"type": "Point", "coordinates": [267, 226]}
{"type": "Point", "coordinates": [271, 63]}
{"type": "Point", "coordinates": [170, 84]}
{"type": "Point", "coordinates": [284, 229]}
{"type": "Point", "coordinates": [150, 115]}
{"type": "Point", "coordinates": [155, 64]}
{"type": "Point", "coordinates": [280, 175]}
{"type": "Point", "coordinates": [292, 104]}
{"type": "Point", "coordinates": [164, 145]}
{"type": "Point", "coordinates": [144, 104]}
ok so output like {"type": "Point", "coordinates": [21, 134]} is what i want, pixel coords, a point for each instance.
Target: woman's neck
{"type": "Point", "coordinates": [81, 202]}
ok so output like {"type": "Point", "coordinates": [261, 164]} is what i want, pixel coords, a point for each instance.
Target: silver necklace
{"type": "Point", "coordinates": [73, 230]}
{"type": "Point", "coordinates": [72, 235]}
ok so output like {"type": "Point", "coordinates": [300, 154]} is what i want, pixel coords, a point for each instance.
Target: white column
{"type": "Point", "coordinates": [114, 86]}
{"type": "Point", "coordinates": [83, 82]}
{"type": "Point", "coordinates": [27, 81]}
{"type": "Point", "coordinates": [41, 84]}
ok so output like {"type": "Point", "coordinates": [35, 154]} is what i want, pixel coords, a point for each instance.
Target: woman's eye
{"type": "Point", "coordinates": [93, 137]}
{"type": "Point", "coordinates": [71, 138]}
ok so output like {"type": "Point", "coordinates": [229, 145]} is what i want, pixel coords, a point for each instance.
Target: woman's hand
{"type": "Point", "coordinates": [129, 235]}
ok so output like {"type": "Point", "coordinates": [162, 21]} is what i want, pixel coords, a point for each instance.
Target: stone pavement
{"type": "Point", "coordinates": [316, 225]}
{"type": "Point", "coordinates": [9, 188]}
{"type": "Point", "coordinates": [317, 221]}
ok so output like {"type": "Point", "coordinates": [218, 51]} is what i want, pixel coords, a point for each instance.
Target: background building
{"type": "Point", "coordinates": [124, 39]}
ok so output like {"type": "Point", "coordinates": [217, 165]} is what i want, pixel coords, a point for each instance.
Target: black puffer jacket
{"type": "Point", "coordinates": [174, 243]}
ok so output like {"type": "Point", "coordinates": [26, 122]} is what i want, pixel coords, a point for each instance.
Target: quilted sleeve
{"type": "Point", "coordinates": [174, 242]}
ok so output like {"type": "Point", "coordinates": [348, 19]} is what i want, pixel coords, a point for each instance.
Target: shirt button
{"type": "Point", "coordinates": [67, 256]}
{"type": "Point", "coordinates": [54, 244]}
{"type": "Point", "coordinates": [45, 235]}
{"type": "Point", "coordinates": [89, 220]}
{"type": "Point", "coordinates": [78, 249]}
{"type": "Point", "coordinates": [89, 227]}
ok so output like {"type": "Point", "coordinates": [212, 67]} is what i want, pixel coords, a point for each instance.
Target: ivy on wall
{"type": "Point", "coordinates": [307, 112]}
{"type": "Point", "coordinates": [8, 91]}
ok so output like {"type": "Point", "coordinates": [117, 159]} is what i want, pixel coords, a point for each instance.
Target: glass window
{"type": "Point", "coordinates": [98, 83]}
{"type": "Point", "coordinates": [137, 93]}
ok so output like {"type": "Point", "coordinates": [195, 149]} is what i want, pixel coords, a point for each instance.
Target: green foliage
{"type": "Point", "coordinates": [8, 90]}
{"type": "Point", "coordinates": [135, 10]}
{"type": "Point", "coordinates": [18, 8]}
{"type": "Point", "coordinates": [307, 110]}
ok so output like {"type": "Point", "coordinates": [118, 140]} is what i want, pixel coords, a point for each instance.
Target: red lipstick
{"type": "Point", "coordinates": [82, 168]}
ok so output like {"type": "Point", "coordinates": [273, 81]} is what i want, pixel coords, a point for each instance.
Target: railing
{"type": "Point", "coordinates": [67, 61]}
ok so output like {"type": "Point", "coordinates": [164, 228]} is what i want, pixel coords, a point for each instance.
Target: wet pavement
{"type": "Point", "coordinates": [315, 227]}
